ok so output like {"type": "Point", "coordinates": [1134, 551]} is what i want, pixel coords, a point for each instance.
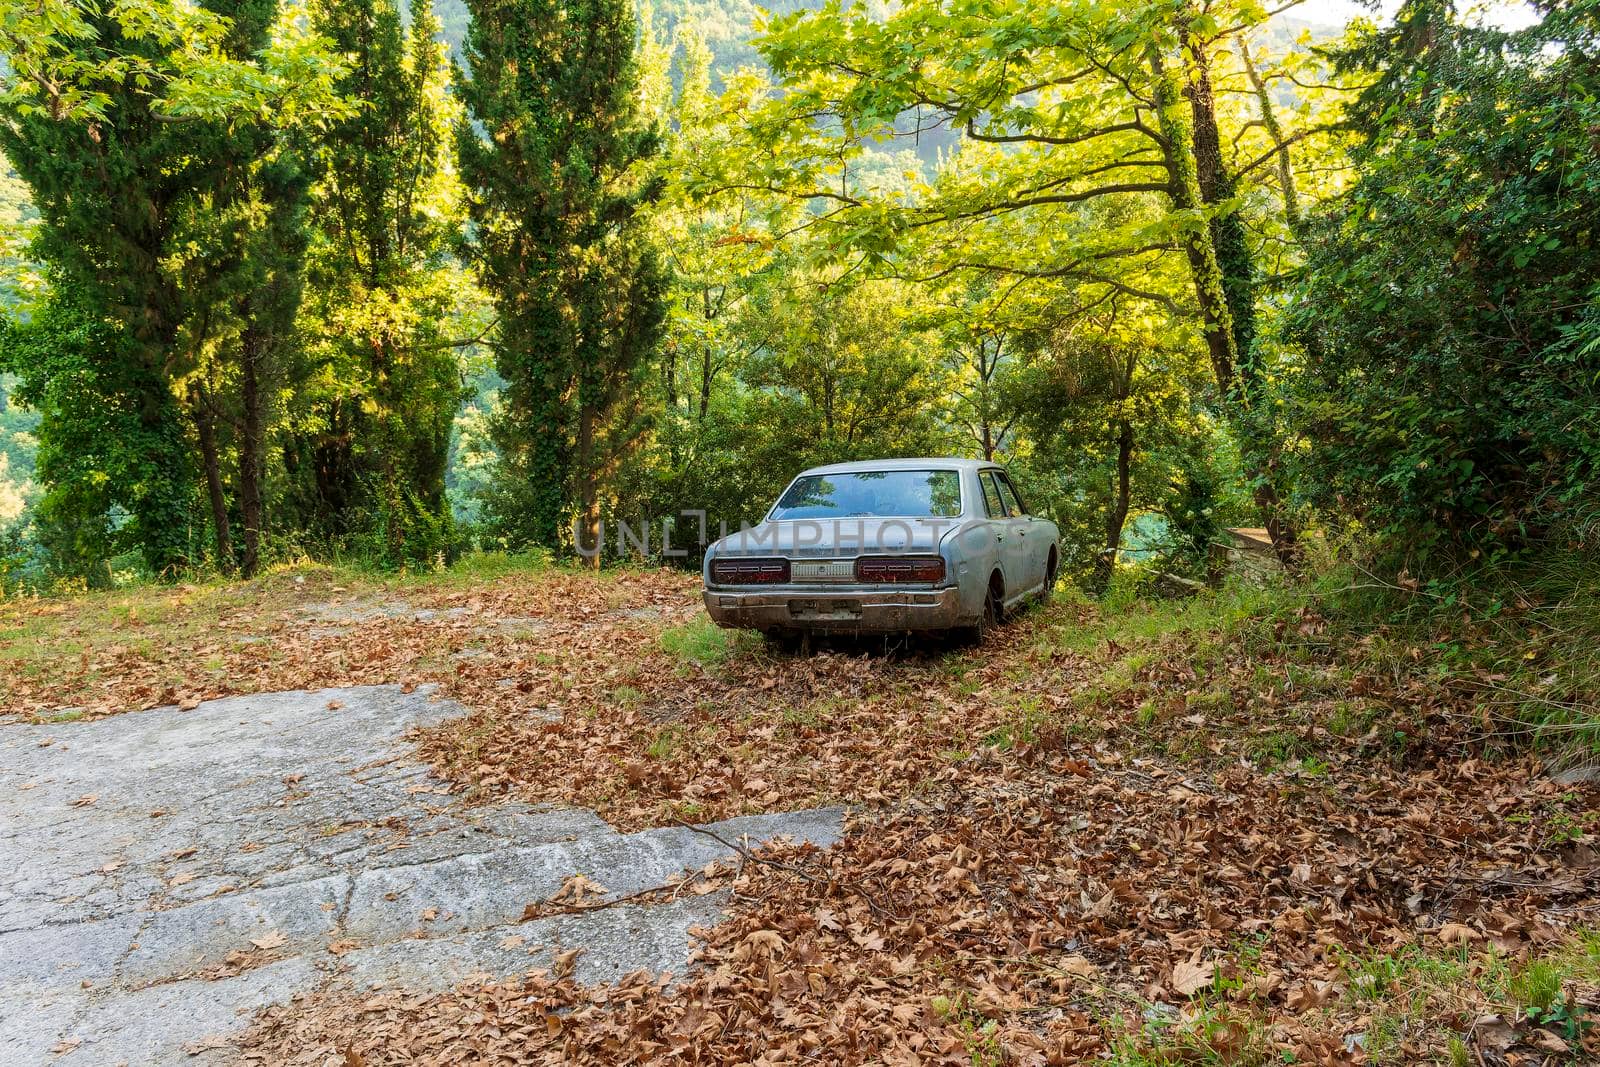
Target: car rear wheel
{"type": "Point", "coordinates": [1050, 567]}
{"type": "Point", "coordinates": [993, 613]}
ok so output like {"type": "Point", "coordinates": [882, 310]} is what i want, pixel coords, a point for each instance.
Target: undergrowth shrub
{"type": "Point", "coordinates": [1519, 631]}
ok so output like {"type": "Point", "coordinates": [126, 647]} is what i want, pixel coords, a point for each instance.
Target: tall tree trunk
{"type": "Point", "coordinates": [708, 315]}
{"type": "Point", "coordinates": [669, 375]}
{"type": "Point", "coordinates": [1216, 320]}
{"type": "Point", "coordinates": [706, 374]}
{"type": "Point", "coordinates": [1117, 514]}
{"type": "Point", "coordinates": [588, 490]}
{"type": "Point", "coordinates": [252, 353]}
{"type": "Point", "coordinates": [986, 371]}
{"type": "Point", "coordinates": [1219, 261]}
{"type": "Point", "coordinates": [205, 427]}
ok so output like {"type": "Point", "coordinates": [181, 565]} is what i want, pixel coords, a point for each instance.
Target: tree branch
{"type": "Point", "coordinates": [1279, 148]}
{"type": "Point", "coordinates": [1043, 138]}
{"type": "Point", "coordinates": [1040, 201]}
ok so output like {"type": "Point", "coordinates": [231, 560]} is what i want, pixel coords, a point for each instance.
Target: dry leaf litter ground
{"type": "Point", "coordinates": [1175, 837]}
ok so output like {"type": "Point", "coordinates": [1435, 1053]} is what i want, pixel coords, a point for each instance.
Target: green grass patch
{"type": "Point", "coordinates": [626, 696]}
{"type": "Point", "coordinates": [1021, 729]}
{"type": "Point", "coordinates": [1206, 1033]}
{"type": "Point", "coordinates": [1428, 997]}
{"type": "Point", "coordinates": [666, 741]}
{"type": "Point", "coordinates": [476, 567]}
{"type": "Point", "coordinates": [1520, 633]}
{"type": "Point", "coordinates": [1129, 620]}
{"type": "Point", "coordinates": [810, 716]}
{"type": "Point", "coordinates": [980, 1034]}
{"type": "Point", "coordinates": [1274, 749]}
{"type": "Point", "coordinates": [704, 643]}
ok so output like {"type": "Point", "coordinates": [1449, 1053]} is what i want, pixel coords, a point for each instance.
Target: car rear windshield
{"type": "Point", "coordinates": [891, 494]}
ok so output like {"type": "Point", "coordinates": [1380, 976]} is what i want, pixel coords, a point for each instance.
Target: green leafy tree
{"type": "Point", "coordinates": [76, 61]}
{"type": "Point", "coordinates": [20, 281]}
{"type": "Point", "coordinates": [473, 456]}
{"type": "Point", "coordinates": [984, 340]}
{"type": "Point", "coordinates": [549, 151]}
{"type": "Point", "coordinates": [721, 252]}
{"type": "Point", "coordinates": [245, 239]}
{"type": "Point", "coordinates": [719, 248]}
{"type": "Point", "coordinates": [1095, 148]}
{"type": "Point", "coordinates": [830, 372]}
{"type": "Point", "coordinates": [383, 381]}
{"type": "Point", "coordinates": [841, 376]}
{"type": "Point", "coordinates": [105, 189]}
{"type": "Point", "coordinates": [266, 307]}
{"type": "Point", "coordinates": [1110, 402]}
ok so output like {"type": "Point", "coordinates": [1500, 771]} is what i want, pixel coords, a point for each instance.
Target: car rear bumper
{"type": "Point", "coordinates": [836, 610]}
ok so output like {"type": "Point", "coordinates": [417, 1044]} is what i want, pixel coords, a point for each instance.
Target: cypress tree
{"type": "Point", "coordinates": [384, 213]}
{"type": "Point", "coordinates": [549, 150]}
{"type": "Point", "coordinates": [122, 198]}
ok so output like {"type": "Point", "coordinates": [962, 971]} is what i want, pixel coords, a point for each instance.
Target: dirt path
{"type": "Point", "coordinates": [165, 873]}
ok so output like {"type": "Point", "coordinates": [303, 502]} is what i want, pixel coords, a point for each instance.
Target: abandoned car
{"type": "Point", "coordinates": [895, 545]}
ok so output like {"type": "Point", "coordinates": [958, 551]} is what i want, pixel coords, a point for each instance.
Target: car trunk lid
{"type": "Point", "coordinates": [837, 539]}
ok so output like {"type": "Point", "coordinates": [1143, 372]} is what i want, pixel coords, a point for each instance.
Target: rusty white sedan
{"type": "Point", "coordinates": [885, 546]}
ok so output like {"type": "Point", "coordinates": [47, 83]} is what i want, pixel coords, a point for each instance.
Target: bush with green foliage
{"type": "Point", "coordinates": [1450, 309]}
{"type": "Point", "coordinates": [114, 465]}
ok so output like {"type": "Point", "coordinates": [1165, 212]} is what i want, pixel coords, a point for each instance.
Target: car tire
{"type": "Point", "coordinates": [1051, 567]}
{"type": "Point", "coordinates": [993, 615]}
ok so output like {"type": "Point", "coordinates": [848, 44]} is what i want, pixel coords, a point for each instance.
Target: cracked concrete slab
{"type": "Point", "coordinates": [614, 942]}
{"type": "Point", "coordinates": [176, 1022]}
{"type": "Point", "coordinates": [163, 874]}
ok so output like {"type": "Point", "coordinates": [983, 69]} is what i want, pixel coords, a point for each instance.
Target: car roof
{"type": "Point", "coordinates": [909, 463]}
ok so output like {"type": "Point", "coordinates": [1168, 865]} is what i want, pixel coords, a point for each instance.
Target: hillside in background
{"type": "Point", "coordinates": [17, 449]}
{"type": "Point", "coordinates": [727, 25]}
{"type": "Point", "coordinates": [730, 27]}
{"type": "Point", "coordinates": [18, 445]}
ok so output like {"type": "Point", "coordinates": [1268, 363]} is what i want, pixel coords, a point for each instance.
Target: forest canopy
{"type": "Point", "coordinates": [394, 282]}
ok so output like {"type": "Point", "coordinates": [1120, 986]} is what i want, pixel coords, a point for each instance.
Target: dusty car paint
{"type": "Point", "coordinates": [1014, 554]}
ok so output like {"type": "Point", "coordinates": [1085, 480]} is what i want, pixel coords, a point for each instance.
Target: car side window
{"type": "Point", "coordinates": [992, 502]}
{"type": "Point", "coordinates": [1012, 497]}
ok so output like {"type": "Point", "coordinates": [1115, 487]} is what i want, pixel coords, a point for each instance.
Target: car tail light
{"type": "Point", "coordinates": [899, 569]}
{"type": "Point", "coordinates": [749, 571]}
